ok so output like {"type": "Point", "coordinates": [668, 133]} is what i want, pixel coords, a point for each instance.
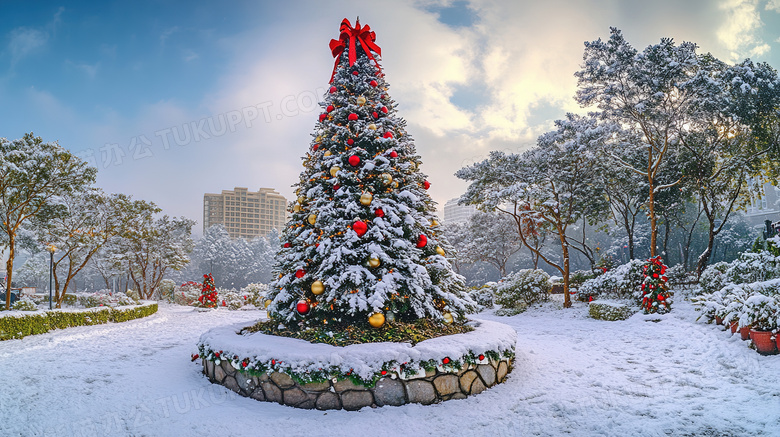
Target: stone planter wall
{"type": "Point", "coordinates": [434, 387]}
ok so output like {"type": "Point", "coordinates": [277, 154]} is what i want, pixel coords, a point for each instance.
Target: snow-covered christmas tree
{"type": "Point", "coordinates": [363, 244]}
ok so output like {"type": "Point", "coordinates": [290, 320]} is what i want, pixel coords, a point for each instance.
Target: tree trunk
{"type": "Point", "coordinates": [653, 223]}
{"type": "Point", "coordinates": [565, 252]}
{"type": "Point", "coordinates": [9, 270]}
{"type": "Point", "coordinates": [705, 256]}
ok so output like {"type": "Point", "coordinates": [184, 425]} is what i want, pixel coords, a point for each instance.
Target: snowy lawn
{"type": "Point", "coordinates": [573, 376]}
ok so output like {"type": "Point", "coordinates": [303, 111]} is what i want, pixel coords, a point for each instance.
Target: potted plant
{"type": "Point", "coordinates": [762, 311]}
{"type": "Point", "coordinates": [735, 301]}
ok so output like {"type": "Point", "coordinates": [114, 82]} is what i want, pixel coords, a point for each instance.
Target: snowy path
{"type": "Point", "coordinates": [573, 376]}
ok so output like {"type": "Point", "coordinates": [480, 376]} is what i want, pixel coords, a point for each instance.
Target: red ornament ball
{"type": "Point", "coordinates": [388, 135]}
{"type": "Point", "coordinates": [379, 212]}
{"type": "Point", "coordinates": [330, 108]}
{"type": "Point", "coordinates": [422, 240]}
{"type": "Point", "coordinates": [352, 117]}
{"type": "Point", "coordinates": [384, 109]}
{"type": "Point", "coordinates": [303, 307]}
{"type": "Point", "coordinates": [446, 360]}
{"type": "Point", "coordinates": [373, 83]}
{"type": "Point", "coordinates": [426, 185]}
{"type": "Point", "coordinates": [481, 357]}
{"type": "Point", "coordinates": [393, 154]}
{"type": "Point", "coordinates": [299, 274]}
{"type": "Point", "coordinates": [354, 160]}
{"type": "Point", "coordinates": [286, 244]}
{"type": "Point", "coordinates": [323, 117]}
{"type": "Point", "coordinates": [360, 228]}
{"type": "Point", "coordinates": [350, 141]}
{"type": "Point", "coordinates": [355, 73]}
{"type": "Point", "coordinates": [384, 372]}
{"type": "Point", "coordinates": [336, 187]}
{"type": "Point", "coordinates": [375, 115]}
{"type": "Point", "coordinates": [333, 89]}
{"type": "Point", "coordinates": [315, 147]}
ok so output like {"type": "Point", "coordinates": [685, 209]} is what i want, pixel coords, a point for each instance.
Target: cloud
{"type": "Point", "coordinates": [90, 70]}
{"type": "Point", "coordinates": [166, 34]}
{"type": "Point", "coordinates": [773, 5]}
{"type": "Point", "coordinates": [25, 41]}
{"type": "Point", "coordinates": [189, 55]}
{"type": "Point", "coordinates": [739, 32]}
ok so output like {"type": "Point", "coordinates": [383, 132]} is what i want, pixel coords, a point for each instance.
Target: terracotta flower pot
{"type": "Point", "coordinates": [745, 332]}
{"type": "Point", "coordinates": [763, 341]}
{"type": "Point", "coordinates": [718, 320]}
{"type": "Point", "coordinates": [733, 326]}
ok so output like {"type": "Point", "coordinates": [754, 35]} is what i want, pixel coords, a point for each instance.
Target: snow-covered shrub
{"type": "Point", "coordinates": [167, 289]}
{"type": "Point", "coordinates": [710, 305]}
{"type": "Point", "coordinates": [677, 275]}
{"type": "Point", "coordinates": [620, 282]}
{"type": "Point", "coordinates": [255, 294]}
{"type": "Point", "coordinates": [136, 296]}
{"type": "Point", "coordinates": [713, 278]}
{"type": "Point", "coordinates": [610, 311]}
{"type": "Point", "coordinates": [104, 298]}
{"type": "Point", "coordinates": [482, 296]}
{"type": "Point", "coordinates": [753, 267]}
{"type": "Point", "coordinates": [187, 293]}
{"type": "Point", "coordinates": [517, 291]}
{"type": "Point", "coordinates": [762, 311]}
{"type": "Point", "coordinates": [25, 304]}
{"type": "Point", "coordinates": [230, 299]}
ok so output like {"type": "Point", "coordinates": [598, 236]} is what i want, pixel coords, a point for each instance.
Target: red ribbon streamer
{"type": "Point", "coordinates": [348, 35]}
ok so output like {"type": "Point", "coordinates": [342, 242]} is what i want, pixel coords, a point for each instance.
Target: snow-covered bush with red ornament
{"type": "Point", "coordinates": [654, 292]}
{"type": "Point", "coordinates": [619, 283]}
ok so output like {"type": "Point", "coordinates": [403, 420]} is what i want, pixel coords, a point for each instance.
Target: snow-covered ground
{"type": "Point", "coordinates": [573, 376]}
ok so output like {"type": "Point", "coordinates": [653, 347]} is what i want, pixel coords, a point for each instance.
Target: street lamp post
{"type": "Point", "coordinates": [51, 248]}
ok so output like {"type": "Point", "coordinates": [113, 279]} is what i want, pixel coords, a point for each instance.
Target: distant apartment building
{"type": "Point", "coordinates": [764, 205]}
{"type": "Point", "coordinates": [245, 213]}
{"type": "Point", "coordinates": [454, 213]}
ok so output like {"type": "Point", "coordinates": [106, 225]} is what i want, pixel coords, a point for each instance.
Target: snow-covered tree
{"type": "Point", "coordinates": [553, 185]}
{"type": "Point", "coordinates": [648, 93]}
{"type": "Point", "coordinates": [363, 240]}
{"type": "Point", "coordinates": [32, 174]}
{"type": "Point", "coordinates": [487, 237]}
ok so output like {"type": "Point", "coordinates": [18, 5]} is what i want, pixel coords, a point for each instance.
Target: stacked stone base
{"type": "Point", "coordinates": [434, 387]}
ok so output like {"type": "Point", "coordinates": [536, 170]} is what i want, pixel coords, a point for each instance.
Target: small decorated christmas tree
{"type": "Point", "coordinates": [208, 294]}
{"type": "Point", "coordinates": [656, 297]}
{"type": "Point", "coordinates": [363, 244]}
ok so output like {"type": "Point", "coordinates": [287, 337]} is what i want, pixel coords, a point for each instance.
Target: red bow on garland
{"type": "Point", "coordinates": [350, 34]}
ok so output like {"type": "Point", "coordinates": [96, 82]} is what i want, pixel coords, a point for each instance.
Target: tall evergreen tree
{"type": "Point", "coordinates": [363, 241]}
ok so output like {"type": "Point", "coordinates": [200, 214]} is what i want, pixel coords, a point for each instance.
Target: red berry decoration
{"type": "Point", "coordinates": [354, 160]}
{"type": "Point", "coordinates": [216, 354]}
{"type": "Point", "coordinates": [299, 274]}
{"type": "Point", "coordinates": [303, 307]}
{"type": "Point", "coordinates": [388, 135]}
{"type": "Point", "coordinates": [323, 117]}
{"type": "Point", "coordinates": [384, 109]}
{"type": "Point", "coordinates": [393, 154]}
{"type": "Point", "coordinates": [373, 83]}
{"type": "Point", "coordinates": [422, 240]}
{"type": "Point", "coordinates": [481, 357]}
{"type": "Point", "coordinates": [355, 73]}
{"type": "Point", "coordinates": [350, 142]}
{"type": "Point", "coordinates": [333, 89]}
{"type": "Point", "coordinates": [426, 185]}
{"type": "Point", "coordinates": [360, 228]}
{"type": "Point", "coordinates": [446, 360]}
{"type": "Point", "coordinates": [384, 372]}
{"type": "Point", "coordinates": [379, 212]}
{"type": "Point", "coordinates": [286, 244]}
{"type": "Point", "coordinates": [375, 115]}
{"type": "Point", "coordinates": [352, 117]}
{"type": "Point", "coordinates": [330, 108]}
{"type": "Point", "coordinates": [315, 147]}
{"type": "Point", "coordinates": [336, 187]}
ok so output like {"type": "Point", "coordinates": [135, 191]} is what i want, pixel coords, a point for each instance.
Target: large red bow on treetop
{"type": "Point", "coordinates": [350, 34]}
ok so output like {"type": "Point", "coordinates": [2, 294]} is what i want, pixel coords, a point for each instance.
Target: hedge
{"type": "Point", "coordinates": [21, 325]}
{"type": "Point", "coordinates": [601, 310]}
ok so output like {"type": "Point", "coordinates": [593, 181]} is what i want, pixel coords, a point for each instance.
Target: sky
{"type": "Point", "coordinates": [171, 100]}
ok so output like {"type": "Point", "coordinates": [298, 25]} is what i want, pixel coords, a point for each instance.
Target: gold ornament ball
{"type": "Point", "coordinates": [386, 178]}
{"type": "Point", "coordinates": [366, 198]}
{"type": "Point", "coordinates": [448, 319]}
{"type": "Point", "coordinates": [267, 302]}
{"type": "Point", "coordinates": [334, 171]}
{"type": "Point", "coordinates": [439, 250]}
{"type": "Point", "coordinates": [319, 138]}
{"type": "Point", "coordinates": [372, 126]}
{"type": "Point", "coordinates": [312, 218]}
{"type": "Point", "coordinates": [317, 287]}
{"type": "Point", "coordinates": [374, 262]}
{"type": "Point", "coordinates": [327, 153]}
{"type": "Point", "coordinates": [413, 166]}
{"type": "Point", "coordinates": [301, 199]}
{"type": "Point", "coordinates": [297, 208]}
{"type": "Point", "coordinates": [376, 320]}
{"type": "Point", "coordinates": [434, 222]}
{"type": "Point", "coordinates": [361, 100]}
